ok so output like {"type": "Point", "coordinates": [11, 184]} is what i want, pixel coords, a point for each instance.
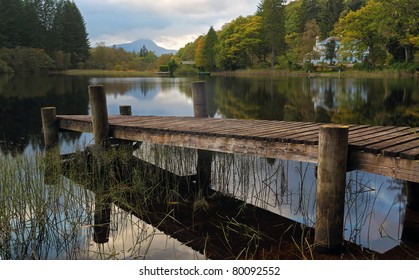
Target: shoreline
{"type": "Point", "coordinates": [387, 73]}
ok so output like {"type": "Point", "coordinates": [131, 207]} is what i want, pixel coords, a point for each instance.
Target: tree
{"type": "Point", "coordinates": [309, 10]}
{"type": "Point", "coordinates": [354, 5]}
{"type": "Point", "coordinates": [143, 51]}
{"type": "Point", "coordinates": [361, 30]}
{"type": "Point", "coordinates": [211, 41]}
{"type": "Point", "coordinates": [10, 23]}
{"type": "Point", "coordinates": [308, 39]}
{"type": "Point", "coordinates": [273, 26]}
{"type": "Point", "coordinates": [33, 32]}
{"type": "Point", "coordinates": [199, 53]}
{"type": "Point", "coordinates": [402, 27]}
{"type": "Point", "coordinates": [330, 13]}
{"type": "Point", "coordinates": [240, 43]}
{"type": "Point", "coordinates": [292, 17]}
{"type": "Point", "coordinates": [74, 36]}
{"type": "Point", "coordinates": [331, 51]}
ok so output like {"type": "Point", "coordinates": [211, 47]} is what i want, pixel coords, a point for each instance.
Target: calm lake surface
{"type": "Point", "coordinates": [375, 205]}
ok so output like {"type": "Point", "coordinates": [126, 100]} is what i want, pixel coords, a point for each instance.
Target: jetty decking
{"type": "Point", "coordinates": [385, 150]}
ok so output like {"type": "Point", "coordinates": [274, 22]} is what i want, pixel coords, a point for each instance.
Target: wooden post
{"type": "Point", "coordinates": [199, 97]}
{"type": "Point", "coordinates": [412, 193]}
{"type": "Point", "coordinates": [125, 110]}
{"type": "Point", "coordinates": [49, 126]}
{"type": "Point", "coordinates": [204, 162]}
{"type": "Point", "coordinates": [52, 170]}
{"type": "Point", "coordinates": [99, 109]}
{"type": "Point", "coordinates": [331, 181]}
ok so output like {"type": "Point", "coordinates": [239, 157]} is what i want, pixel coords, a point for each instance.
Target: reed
{"type": "Point", "coordinates": [54, 210]}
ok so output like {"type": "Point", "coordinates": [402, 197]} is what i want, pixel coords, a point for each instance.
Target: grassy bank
{"type": "Point", "coordinates": [386, 73]}
{"type": "Point", "coordinates": [112, 73]}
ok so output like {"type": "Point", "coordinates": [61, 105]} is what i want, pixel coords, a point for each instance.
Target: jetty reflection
{"type": "Point", "coordinates": [235, 216]}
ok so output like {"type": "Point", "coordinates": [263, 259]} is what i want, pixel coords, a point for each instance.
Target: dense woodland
{"type": "Point", "coordinates": [50, 34]}
{"type": "Point", "coordinates": [283, 36]}
{"type": "Point", "coordinates": [40, 35]}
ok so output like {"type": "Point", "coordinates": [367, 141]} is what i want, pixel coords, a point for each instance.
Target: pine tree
{"type": "Point", "coordinates": [10, 23]}
{"type": "Point", "coordinates": [330, 14]}
{"type": "Point", "coordinates": [210, 43]}
{"type": "Point", "coordinates": [273, 26]}
{"type": "Point", "coordinates": [74, 35]}
{"type": "Point", "coordinates": [309, 10]}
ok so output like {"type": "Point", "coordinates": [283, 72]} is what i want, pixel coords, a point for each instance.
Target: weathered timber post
{"type": "Point", "coordinates": [331, 181]}
{"type": "Point", "coordinates": [125, 110]}
{"type": "Point", "coordinates": [412, 193]}
{"type": "Point", "coordinates": [99, 109]}
{"type": "Point", "coordinates": [49, 126]}
{"type": "Point", "coordinates": [203, 167]}
{"type": "Point", "coordinates": [52, 153]}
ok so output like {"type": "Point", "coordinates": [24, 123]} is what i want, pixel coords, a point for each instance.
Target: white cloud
{"type": "Point", "coordinates": [172, 24]}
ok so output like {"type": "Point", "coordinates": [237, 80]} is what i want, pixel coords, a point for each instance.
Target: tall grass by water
{"type": "Point", "coordinates": [51, 210]}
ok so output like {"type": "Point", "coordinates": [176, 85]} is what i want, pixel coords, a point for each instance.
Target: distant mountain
{"type": "Point", "coordinates": [149, 44]}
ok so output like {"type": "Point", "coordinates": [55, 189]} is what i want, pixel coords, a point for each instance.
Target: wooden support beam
{"type": "Point", "coordinates": [331, 181]}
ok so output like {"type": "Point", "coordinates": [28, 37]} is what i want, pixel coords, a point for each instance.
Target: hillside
{"type": "Point", "coordinates": [149, 44]}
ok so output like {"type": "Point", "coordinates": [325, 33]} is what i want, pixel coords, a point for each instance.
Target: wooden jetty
{"type": "Point", "coordinates": [335, 148]}
{"type": "Point", "coordinates": [388, 151]}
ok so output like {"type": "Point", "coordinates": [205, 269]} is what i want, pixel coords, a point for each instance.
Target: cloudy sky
{"type": "Point", "coordinates": [170, 23]}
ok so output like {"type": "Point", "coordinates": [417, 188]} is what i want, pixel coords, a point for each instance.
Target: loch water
{"type": "Point", "coordinates": [375, 205]}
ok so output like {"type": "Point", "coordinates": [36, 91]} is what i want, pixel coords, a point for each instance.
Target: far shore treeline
{"type": "Point", "coordinates": [41, 35]}
{"type": "Point", "coordinates": [50, 35]}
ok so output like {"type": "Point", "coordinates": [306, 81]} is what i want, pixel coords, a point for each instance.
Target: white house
{"type": "Point", "coordinates": [318, 55]}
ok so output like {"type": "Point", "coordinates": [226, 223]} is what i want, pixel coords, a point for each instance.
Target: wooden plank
{"type": "Point", "coordinates": [412, 154]}
{"type": "Point", "coordinates": [379, 139]}
{"type": "Point", "coordinates": [363, 133]}
{"type": "Point", "coordinates": [395, 151]}
{"type": "Point", "coordinates": [378, 147]}
{"type": "Point", "coordinates": [286, 136]}
{"type": "Point", "coordinates": [382, 132]}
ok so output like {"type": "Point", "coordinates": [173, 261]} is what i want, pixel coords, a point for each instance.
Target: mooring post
{"type": "Point", "coordinates": [204, 162]}
{"type": "Point", "coordinates": [52, 170]}
{"type": "Point", "coordinates": [99, 110]}
{"type": "Point", "coordinates": [125, 110]}
{"type": "Point", "coordinates": [49, 126]}
{"type": "Point", "coordinates": [331, 182]}
{"type": "Point", "coordinates": [412, 194]}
